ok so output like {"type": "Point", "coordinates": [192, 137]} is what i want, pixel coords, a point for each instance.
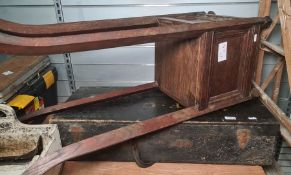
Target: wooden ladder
{"type": "Point", "coordinates": [283, 55]}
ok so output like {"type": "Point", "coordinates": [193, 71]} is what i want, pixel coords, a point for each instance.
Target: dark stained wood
{"type": "Point", "coordinates": [130, 168]}
{"type": "Point", "coordinates": [82, 27]}
{"type": "Point", "coordinates": [173, 62]}
{"type": "Point", "coordinates": [203, 77]}
{"type": "Point", "coordinates": [189, 70]}
{"type": "Point", "coordinates": [120, 135]}
{"type": "Point", "coordinates": [23, 45]}
{"type": "Point", "coordinates": [180, 70]}
{"type": "Point", "coordinates": [88, 100]}
{"type": "Point", "coordinates": [249, 58]}
{"type": "Point", "coordinates": [194, 141]}
{"type": "Point", "coordinates": [224, 75]}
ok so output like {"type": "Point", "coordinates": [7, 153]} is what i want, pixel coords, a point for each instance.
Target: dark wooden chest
{"type": "Point", "coordinates": [243, 134]}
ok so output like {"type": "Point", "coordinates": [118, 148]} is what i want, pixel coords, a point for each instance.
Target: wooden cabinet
{"type": "Point", "coordinates": [217, 65]}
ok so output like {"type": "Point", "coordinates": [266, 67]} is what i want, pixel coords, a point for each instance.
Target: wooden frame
{"type": "Point", "coordinates": [283, 16]}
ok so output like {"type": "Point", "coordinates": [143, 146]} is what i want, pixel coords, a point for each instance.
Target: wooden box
{"type": "Point", "coordinates": [217, 65]}
{"type": "Point", "coordinates": [235, 135]}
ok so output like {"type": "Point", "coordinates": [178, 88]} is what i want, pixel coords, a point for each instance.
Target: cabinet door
{"type": "Point", "coordinates": [232, 60]}
{"type": "Point", "coordinates": [227, 60]}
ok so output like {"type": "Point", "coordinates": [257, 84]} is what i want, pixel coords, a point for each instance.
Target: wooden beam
{"type": "Point", "coordinates": [277, 83]}
{"type": "Point", "coordinates": [284, 7]}
{"type": "Point", "coordinates": [264, 10]}
{"type": "Point", "coordinates": [277, 49]}
{"type": "Point", "coordinates": [273, 108]}
{"type": "Point", "coordinates": [130, 168]}
{"type": "Point", "coordinates": [88, 100]}
{"type": "Point", "coordinates": [272, 74]}
{"type": "Point", "coordinates": [286, 135]}
{"type": "Point", "coordinates": [21, 45]}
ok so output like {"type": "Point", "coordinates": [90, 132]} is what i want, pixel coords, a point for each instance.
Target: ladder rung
{"type": "Point", "coordinates": [274, 47]}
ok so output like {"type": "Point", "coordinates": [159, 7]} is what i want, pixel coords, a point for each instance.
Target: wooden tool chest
{"type": "Point", "coordinates": [243, 134]}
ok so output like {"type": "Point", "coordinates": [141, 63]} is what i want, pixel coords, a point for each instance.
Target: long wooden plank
{"type": "Point", "coordinates": [120, 135]}
{"type": "Point", "coordinates": [277, 49]}
{"type": "Point", "coordinates": [89, 100]}
{"type": "Point", "coordinates": [273, 108]}
{"type": "Point", "coordinates": [86, 26]}
{"type": "Point", "coordinates": [130, 168]}
{"type": "Point", "coordinates": [284, 7]}
{"type": "Point", "coordinates": [264, 10]}
{"type": "Point", "coordinates": [17, 45]}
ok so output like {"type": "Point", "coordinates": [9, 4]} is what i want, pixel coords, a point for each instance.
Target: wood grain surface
{"type": "Point", "coordinates": [18, 65]}
{"type": "Point", "coordinates": [130, 168]}
{"type": "Point", "coordinates": [116, 136]}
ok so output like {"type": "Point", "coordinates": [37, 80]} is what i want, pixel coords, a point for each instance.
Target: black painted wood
{"type": "Point", "coordinates": [213, 138]}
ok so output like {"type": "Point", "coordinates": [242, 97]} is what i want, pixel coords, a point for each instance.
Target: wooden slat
{"type": "Point", "coordinates": [284, 7]}
{"type": "Point", "coordinates": [264, 10]}
{"type": "Point", "coordinates": [286, 135]}
{"type": "Point", "coordinates": [273, 108]}
{"type": "Point", "coordinates": [277, 83]}
{"type": "Point", "coordinates": [259, 66]}
{"type": "Point", "coordinates": [88, 100]}
{"type": "Point", "coordinates": [130, 168]}
{"type": "Point", "coordinates": [277, 49]}
{"type": "Point", "coordinates": [272, 74]}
